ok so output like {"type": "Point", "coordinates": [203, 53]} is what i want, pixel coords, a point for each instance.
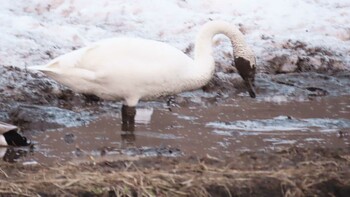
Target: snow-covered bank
{"type": "Point", "coordinates": [286, 35]}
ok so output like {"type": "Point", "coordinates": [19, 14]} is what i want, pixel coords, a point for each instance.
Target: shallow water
{"type": "Point", "coordinates": [226, 128]}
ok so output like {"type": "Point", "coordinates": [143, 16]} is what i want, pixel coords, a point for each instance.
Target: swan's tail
{"type": "Point", "coordinates": [39, 68]}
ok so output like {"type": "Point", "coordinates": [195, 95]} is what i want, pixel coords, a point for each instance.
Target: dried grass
{"type": "Point", "coordinates": [181, 178]}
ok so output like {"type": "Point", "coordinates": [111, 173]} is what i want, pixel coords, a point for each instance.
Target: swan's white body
{"type": "Point", "coordinates": [132, 69]}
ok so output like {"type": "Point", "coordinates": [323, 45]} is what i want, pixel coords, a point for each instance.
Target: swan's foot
{"type": "Point", "coordinates": [170, 102]}
{"type": "Point", "coordinates": [128, 138]}
{"type": "Point", "coordinates": [247, 72]}
{"type": "Point", "coordinates": [128, 118]}
{"type": "Point", "coordinates": [11, 154]}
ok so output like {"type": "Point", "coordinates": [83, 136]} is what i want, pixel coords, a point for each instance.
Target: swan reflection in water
{"type": "Point", "coordinates": [13, 154]}
{"type": "Point", "coordinates": [141, 116]}
{"type": "Point", "coordinates": [10, 138]}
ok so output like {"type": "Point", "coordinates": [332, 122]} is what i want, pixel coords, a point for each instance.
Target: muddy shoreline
{"type": "Point", "coordinates": [77, 157]}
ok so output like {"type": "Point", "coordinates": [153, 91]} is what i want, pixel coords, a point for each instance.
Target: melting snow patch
{"type": "Point", "coordinates": [157, 135]}
{"type": "Point", "coordinates": [187, 117]}
{"type": "Point", "coordinates": [283, 123]}
{"type": "Point", "coordinates": [276, 141]}
{"type": "Point", "coordinates": [313, 139]}
{"type": "Point", "coordinates": [30, 163]}
{"type": "Point", "coordinates": [276, 99]}
{"type": "Point", "coordinates": [224, 144]}
{"type": "Point", "coordinates": [221, 132]}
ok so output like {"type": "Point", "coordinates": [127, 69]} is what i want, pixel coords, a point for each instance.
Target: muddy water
{"type": "Point", "coordinates": [226, 128]}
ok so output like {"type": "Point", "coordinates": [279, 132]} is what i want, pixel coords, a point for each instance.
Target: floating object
{"type": "Point", "coordinates": [9, 136]}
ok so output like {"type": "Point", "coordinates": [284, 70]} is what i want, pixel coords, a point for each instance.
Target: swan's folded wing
{"type": "Point", "coordinates": [83, 73]}
{"type": "Point", "coordinates": [70, 64]}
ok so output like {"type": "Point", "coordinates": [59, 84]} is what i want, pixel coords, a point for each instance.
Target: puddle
{"type": "Point", "coordinates": [227, 128]}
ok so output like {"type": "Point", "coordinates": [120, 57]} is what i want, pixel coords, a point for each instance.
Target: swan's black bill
{"type": "Point", "coordinates": [246, 69]}
{"type": "Point", "coordinates": [13, 138]}
{"type": "Point", "coordinates": [250, 85]}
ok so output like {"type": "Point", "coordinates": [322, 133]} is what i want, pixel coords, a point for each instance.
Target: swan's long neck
{"type": "Point", "coordinates": [203, 56]}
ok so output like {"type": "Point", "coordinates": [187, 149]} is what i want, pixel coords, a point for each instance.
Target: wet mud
{"type": "Point", "coordinates": [233, 127]}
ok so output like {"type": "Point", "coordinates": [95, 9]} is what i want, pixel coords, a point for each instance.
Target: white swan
{"type": "Point", "coordinates": [132, 69]}
{"type": "Point", "coordinates": [10, 136]}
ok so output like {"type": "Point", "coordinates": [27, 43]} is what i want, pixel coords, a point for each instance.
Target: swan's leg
{"type": "Point", "coordinates": [128, 125]}
{"type": "Point", "coordinates": [128, 118]}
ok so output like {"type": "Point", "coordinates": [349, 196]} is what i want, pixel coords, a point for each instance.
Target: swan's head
{"type": "Point", "coordinates": [247, 69]}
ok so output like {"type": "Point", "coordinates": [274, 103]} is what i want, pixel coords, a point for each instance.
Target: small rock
{"type": "Point", "coordinates": [69, 138]}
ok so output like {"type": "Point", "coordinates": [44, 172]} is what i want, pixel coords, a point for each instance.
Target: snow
{"type": "Point", "coordinates": [33, 32]}
{"type": "Point", "coordinates": [283, 123]}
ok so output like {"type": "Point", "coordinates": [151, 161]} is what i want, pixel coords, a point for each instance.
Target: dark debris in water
{"type": "Point", "coordinates": [153, 151]}
{"type": "Point", "coordinates": [317, 91]}
{"type": "Point", "coordinates": [69, 138]}
{"type": "Point", "coordinates": [105, 152]}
